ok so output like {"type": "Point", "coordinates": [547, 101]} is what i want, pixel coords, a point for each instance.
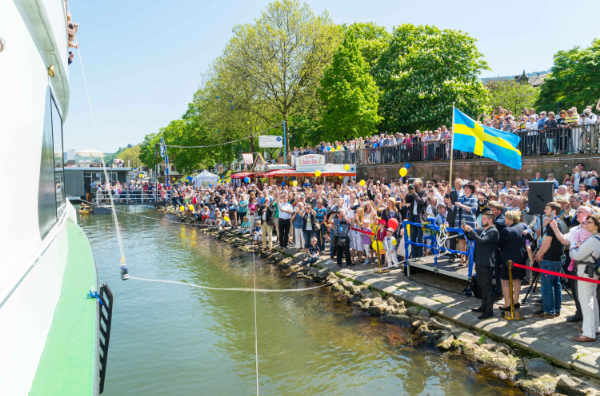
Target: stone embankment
{"type": "Point", "coordinates": [498, 357]}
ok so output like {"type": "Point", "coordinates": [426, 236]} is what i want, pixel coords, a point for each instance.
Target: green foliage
{"type": "Point", "coordinates": [422, 72]}
{"type": "Point", "coordinates": [130, 156]}
{"type": "Point", "coordinates": [574, 79]}
{"type": "Point", "coordinates": [278, 61]}
{"type": "Point", "coordinates": [372, 40]}
{"type": "Point", "coordinates": [512, 95]}
{"type": "Point", "coordinates": [349, 94]}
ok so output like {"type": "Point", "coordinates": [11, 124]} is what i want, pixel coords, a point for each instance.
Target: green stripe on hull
{"type": "Point", "coordinates": [68, 363]}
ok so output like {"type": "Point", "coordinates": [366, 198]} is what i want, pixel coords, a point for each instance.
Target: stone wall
{"type": "Point", "coordinates": [482, 168]}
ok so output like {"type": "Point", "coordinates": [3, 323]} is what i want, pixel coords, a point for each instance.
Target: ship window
{"type": "Point", "coordinates": [51, 195]}
{"type": "Point", "coordinates": [59, 177]}
{"type": "Point", "coordinates": [47, 193]}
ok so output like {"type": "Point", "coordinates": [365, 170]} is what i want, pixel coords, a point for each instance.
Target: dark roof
{"type": "Point", "coordinates": [96, 169]}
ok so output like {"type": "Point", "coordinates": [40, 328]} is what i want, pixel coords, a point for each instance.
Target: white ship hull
{"type": "Point", "coordinates": [47, 326]}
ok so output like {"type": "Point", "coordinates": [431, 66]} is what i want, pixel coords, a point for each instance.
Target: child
{"type": "Point", "coordinates": [314, 251]}
{"type": "Point", "coordinates": [245, 226]}
{"type": "Point", "coordinates": [257, 231]}
{"type": "Point", "coordinates": [389, 245]}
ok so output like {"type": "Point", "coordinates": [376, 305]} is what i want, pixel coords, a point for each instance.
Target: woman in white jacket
{"type": "Point", "coordinates": [588, 253]}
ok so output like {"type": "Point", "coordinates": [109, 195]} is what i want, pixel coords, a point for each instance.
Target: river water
{"type": "Point", "coordinates": [176, 340]}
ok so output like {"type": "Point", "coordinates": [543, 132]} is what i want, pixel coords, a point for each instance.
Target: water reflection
{"type": "Point", "coordinates": [170, 339]}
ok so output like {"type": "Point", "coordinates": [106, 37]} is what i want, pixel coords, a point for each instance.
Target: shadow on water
{"type": "Point", "coordinates": [177, 340]}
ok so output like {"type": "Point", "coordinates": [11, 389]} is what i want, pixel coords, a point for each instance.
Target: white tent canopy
{"type": "Point", "coordinates": [91, 153]}
{"type": "Point", "coordinates": [205, 178]}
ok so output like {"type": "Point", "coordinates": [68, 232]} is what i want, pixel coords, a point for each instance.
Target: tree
{"type": "Point", "coordinates": [349, 94]}
{"type": "Point", "coordinates": [512, 95]}
{"type": "Point", "coordinates": [422, 72]}
{"type": "Point", "coordinates": [574, 79]}
{"type": "Point", "coordinates": [372, 40]}
{"type": "Point", "coordinates": [280, 58]}
{"type": "Point", "coordinates": [146, 154]}
{"type": "Point", "coordinates": [130, 156]}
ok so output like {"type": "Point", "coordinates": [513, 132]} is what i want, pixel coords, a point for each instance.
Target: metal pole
{"type": "Point", "coordinates": [156, 167]}
{"type": "Point", "coordinates": [510, 287]}
{"type": "Point", "coordinates": [451, 150]}
{"type": "Point", "coordinates": [284, 145]}
{"type": "Point", "coordinates": [511, 315]}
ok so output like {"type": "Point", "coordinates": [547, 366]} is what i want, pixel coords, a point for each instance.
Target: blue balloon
{"type": "Point", "coordinates": [283, 183]}
{"type": "Point", "coordinates": [328, 148]}
{"type": "Point", "coordinates": [246, 179]}
{"type": "Point", "coordinates": [375, 145]}
{"type": "Point", "coordinates": [407, 165]}
{"type": "Point", "coordinates": [210, 185]}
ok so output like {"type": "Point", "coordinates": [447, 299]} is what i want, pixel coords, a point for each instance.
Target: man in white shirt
{"type": "Point", "coordinates": [286, 210]}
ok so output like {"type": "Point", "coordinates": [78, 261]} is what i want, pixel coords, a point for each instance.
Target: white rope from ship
{"type": "Point", "coordinates": [232, 289]}
{"type": "Point", "coordinates": [255, 323]}
{"type": "Point", "coordinates": [110, 196]}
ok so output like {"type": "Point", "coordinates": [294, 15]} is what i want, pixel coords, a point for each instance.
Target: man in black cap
{"type": "Point", "coordinates": [416, 204]}
{"type": "Point", "coordinates": [486, 242]}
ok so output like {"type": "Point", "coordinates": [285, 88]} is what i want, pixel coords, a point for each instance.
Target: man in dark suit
{"type": "Point", "coordinates": [486, 242]}
{"type": "Point", "coordinates": [416, 203]}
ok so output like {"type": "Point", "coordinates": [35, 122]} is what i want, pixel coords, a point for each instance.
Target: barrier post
{"type": "Point", "coordinates": [511, 315]}
{"type": "Point", "coordinates": [406, 246]}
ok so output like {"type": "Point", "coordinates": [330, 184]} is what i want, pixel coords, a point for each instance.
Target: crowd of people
{"type": "Point", "coordinates": [134, 191]}
{"type": "Point", "coordinates": [358, 223]}
{"type": "Point", "coordinates": [543, 133]}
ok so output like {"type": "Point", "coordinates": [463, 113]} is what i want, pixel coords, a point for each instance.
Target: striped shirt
{"type": "Point", "coordinates": [468, 216]}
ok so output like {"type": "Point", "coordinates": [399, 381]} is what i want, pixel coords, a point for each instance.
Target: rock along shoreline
{"type": "Point", "coordinates": [497, 356]}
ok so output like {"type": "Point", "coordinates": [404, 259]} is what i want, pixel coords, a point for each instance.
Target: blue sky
{"type": "Point", "coordinates": [144, 59]}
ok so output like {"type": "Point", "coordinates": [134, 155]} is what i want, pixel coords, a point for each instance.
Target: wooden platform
{"type": "Point", "coordinates": [452, 269]}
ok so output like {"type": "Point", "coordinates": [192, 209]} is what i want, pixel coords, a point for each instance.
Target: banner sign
{"type": "Point", "coordinates": [270, 141]}
{"type": "Point", "coordinates": [247, 157]}
{"type": "Point", "coordinates": [310, 159]}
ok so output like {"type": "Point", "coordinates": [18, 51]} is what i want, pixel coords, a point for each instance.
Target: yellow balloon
{"type": "Point", "coordinates": [339, 148]}
{"type": "Point", "coordinates": [317, 173]}
{"type": "Point", "coordinates": [181, 208]}
{"type": "Point", "coordinates": [377, 244]}
{"type": "Point", "coordinates": [191, 208]}
{"type": "Point", "coordinates": [340, 177]}
{"type": "Point", "coordinates": [226, 218]}
{"type": "Point", "coordinates": [332, 149]}
{"type": "Point", "coordinates": [294, 183]}
{"type": "Point", "coordinates": [394, 242]}
{"type": "Point", "coordinates": [402, 172]}
{"type": "Point", "coordinates": [346, 167]}
{"type": "Point", "coordinates": [141, 176]}
{"type": "Point", "coordinates": [362, 183]}
{"type": "Point", "coordinates": [173, 178]}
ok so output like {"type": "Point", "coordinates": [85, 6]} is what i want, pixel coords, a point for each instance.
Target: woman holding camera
{"type": "Point", "coordinates": [587, 256]}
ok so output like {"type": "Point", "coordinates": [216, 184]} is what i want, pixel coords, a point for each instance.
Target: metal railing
{"type": "Point", "coordinates": [126, 197]}
{"type": "Point", "coordinates": [582, 139]}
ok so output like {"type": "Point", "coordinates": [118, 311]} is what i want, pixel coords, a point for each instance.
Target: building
{"type": "Point", "coordinates": [534, 79]}
{"type": "Point", "coordinates": [78, 180]}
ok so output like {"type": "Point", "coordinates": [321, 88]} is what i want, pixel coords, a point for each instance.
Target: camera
{"type": "Point", "coordinates": [593, 269]}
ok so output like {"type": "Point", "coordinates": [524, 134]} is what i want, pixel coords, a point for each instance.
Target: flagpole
{"type": "Point", "coordinates": [451, 149]}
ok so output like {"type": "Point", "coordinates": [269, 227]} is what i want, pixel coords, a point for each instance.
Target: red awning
{"type": "Point", "coordinates": [281, 173]}
{"type": "Point", "coordinates": [295, 173]}
{"type": "Point", "coordinates": [338, 174]}
{"type": "Point", "coordinates": [241, 175]}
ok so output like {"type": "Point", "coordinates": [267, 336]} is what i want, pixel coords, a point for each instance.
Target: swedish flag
{"type": "Point", "coordinates": [471, 137]}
